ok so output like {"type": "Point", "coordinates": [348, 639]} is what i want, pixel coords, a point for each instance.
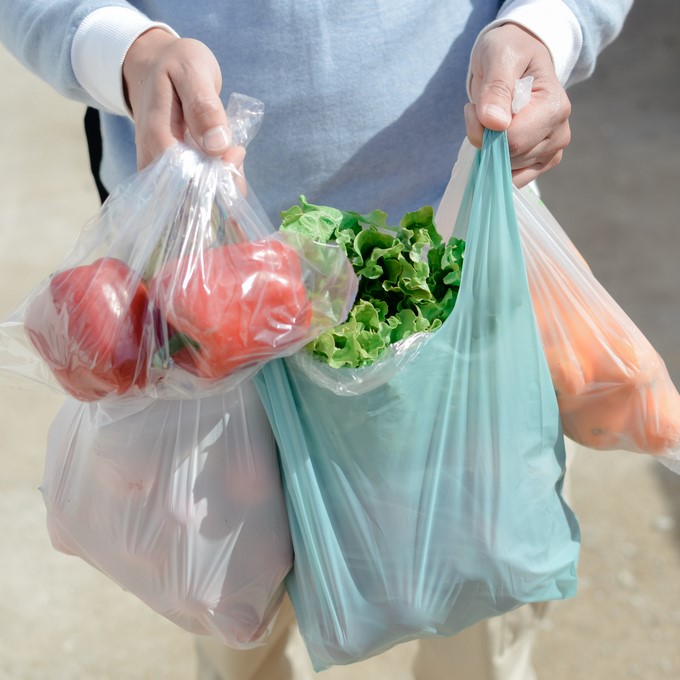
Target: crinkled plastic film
{"type": "Point", "coordinates": [179, 287]}
{"type": "Point", "coordinates": [352, 381]}
{"type": "Point", "coordinates": [179, 502]}
{"type": "Point", "coordinates": [433, 500]}
{"type": "Point", "coordinates": [613, 388]}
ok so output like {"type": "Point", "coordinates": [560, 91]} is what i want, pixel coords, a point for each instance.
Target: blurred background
{"type": "Point", "coordinates": [617, 193]}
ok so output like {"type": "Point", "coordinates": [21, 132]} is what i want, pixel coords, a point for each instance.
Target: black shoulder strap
{"type": "Point", "coordinates": [94, 148]}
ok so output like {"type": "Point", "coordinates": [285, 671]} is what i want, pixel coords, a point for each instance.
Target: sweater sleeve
{"type": "Point", "coordinates": [574, 31]}
{"type": "Point", "coordinates": [98, 51]}
{"type": "Point", "coordinates": [64, 44]}
{"type": "Point", "coordinates": [600, 22]}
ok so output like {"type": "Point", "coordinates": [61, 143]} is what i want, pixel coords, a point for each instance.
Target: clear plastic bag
{"type": "Point", "coordinates": [408, 283]}
{"type": "Point", "coordinates": [613, 388]}
{"type": "Point", "coordinates": [352, 381]}
{"type": "Point", "coordinates": [179, 502]}
{"type": "Point", "coordinates": [180, 286]}
{"type": "Point", "coordinates": [433, 500]}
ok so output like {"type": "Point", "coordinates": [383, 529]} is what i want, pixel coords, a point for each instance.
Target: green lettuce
{"type": "Point", "coordinates": [408, 278]}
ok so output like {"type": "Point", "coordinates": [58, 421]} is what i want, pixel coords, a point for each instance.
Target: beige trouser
{"type": "Point", "coordinates": [497, 649]}
{"type": "Point", "coordinates": [215, 661]}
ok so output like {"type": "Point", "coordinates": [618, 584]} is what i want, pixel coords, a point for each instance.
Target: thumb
{"type": "Point", "coordinates": [202, 109]}
{"type": "Point", "coordinates": [207, 122]}
{"type": "Point", "coordinates": [493, 99]}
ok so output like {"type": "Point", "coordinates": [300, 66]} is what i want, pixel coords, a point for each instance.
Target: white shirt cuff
{"type": "Point", "coordinates": [553, 23]}
{"type": "Point", "coordinates": [98, 51]}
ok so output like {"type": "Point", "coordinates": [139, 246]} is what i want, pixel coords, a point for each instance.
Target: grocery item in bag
{"type": "Point", "coordinates": [179, 502]}
{"type": "Point", "coordinates": [178, 287]}
{"type": "Point", "coordinates": [432, 499]}
{"type": "Point", "coordinates": [613, 387]}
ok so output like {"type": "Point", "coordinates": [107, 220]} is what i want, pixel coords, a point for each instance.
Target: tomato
{"type": "Point", "coordinates": [233, 305]}
{"type": "Point", "coordinates": [88, 324]}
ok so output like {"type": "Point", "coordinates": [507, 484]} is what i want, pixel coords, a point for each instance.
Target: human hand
{"type": "Point", "coordinates": [172, 86]}
{"type": "Point", "coordinates": [539, 133]}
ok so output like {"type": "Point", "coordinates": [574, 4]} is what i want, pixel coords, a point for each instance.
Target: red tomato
{"type": "Point", "coordinates": [88, 325]}
{"type": "Point", "coordinates": [233, 305]}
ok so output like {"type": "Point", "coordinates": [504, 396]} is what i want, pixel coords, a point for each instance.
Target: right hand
{"type": "Point", "coordinates": [539, 133]}
{"type": "Point", "coordinates": [172, 86]}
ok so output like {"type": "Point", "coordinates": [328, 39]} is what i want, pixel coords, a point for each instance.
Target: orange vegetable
{"type": "Point", "coordinates": [612, 387]}
{"type": "Point", "coordinates": [577, 337]}
{"type": "Point", "coordinates": [662, 419]}
{"type": "Point", "coordinates": [604, 419]}
{"type": "Point", "coordinates": [565, 370]}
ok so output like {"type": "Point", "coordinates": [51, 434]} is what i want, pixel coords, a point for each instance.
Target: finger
{"type": "Point", "coordinates": [154, 127]}
{"type": "Point", "coordinates": [207, 123]}
{"type": "Point", "coordinates": [534, 145]}
{"type": "Point", "coordinates": [474, 129]}
{"type": "Point", "coordinates": [198, 92]}
{"type": "Point", "coordinates": [541, 126]}
{"type": "Point", "coordinates": [492, 94]}
{"type": "Point", "coordinates": [540, 153]}
{"type": "Point", "coordinates": [523, 176]}
{"type": "Point", "coordinates": [240, 179]}
{"type": "Point", "coordinates": [235, 155]}
{"type": "Point", "coordinates": [149, 92]}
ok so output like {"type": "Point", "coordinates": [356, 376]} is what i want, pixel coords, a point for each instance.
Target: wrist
{"type": "Point", "coordinates": [552, 22]}
{"type": "Point", "coordinates": [98, 49]}
{"type": "Point", "coordinates": [141, 56]}
{"type": "Point", "coordinates": [515, 32]}
{"type": "Point", "coordinates": [556, 26]}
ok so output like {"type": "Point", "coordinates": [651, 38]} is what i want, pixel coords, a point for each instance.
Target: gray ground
{"type": "Point", "coordinates": [617, 193]}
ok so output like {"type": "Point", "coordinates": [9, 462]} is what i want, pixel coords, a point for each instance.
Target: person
{"type": "Point", "coordinates": [366, 107]}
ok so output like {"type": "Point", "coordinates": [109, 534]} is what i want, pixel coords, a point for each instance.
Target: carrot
{"type": "Point", "coordinates": [635, 417]}
{"type": "Point", "coordinates": [603, 419]}
{"type": "Point", "coordinates": [612, 387]}
{"type": "Point", "coordinates": [600, 369]}
{"type": "Point", "coordinates": [661, 431]}
{"type": "Point", "coordinates": [603, 350]}
{"type": "Point", "coordinates": [565, 370]}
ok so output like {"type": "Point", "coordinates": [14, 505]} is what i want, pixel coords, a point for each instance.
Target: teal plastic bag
{"type": "Point", "coordinates": [433, 500]}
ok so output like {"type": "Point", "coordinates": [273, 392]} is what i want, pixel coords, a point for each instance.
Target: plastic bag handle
{"type": "Point", "coordinates": [245, 117]}
{"type": "Point", "coordinates": [449, 206]}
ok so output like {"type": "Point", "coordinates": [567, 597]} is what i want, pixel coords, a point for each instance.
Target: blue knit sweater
{"type": "Point", "coordinates": [363, 98]}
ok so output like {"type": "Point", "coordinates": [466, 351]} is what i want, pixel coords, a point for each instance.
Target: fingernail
{"type": "Point", "coordinates": [499, 113]}
{"type": "Point", "coordinates": [216, 140]}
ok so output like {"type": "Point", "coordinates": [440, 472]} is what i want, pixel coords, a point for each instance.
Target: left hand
{"type": "Point", "coordinates": [173, 86]}
{"type": "Point", "coordinates": [539, 133]}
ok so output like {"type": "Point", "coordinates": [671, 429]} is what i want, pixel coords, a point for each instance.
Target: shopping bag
{"type": "Point", "coordinates": [178, 287]}
{"type": "Point", "coordinates": [613, 388]}
{"type": "Point", "coordinates": [409, 279]}
{"type": "Point", "coordinates": [433, 500]}
{"type": "Point", "coordinates": [177, 501]}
